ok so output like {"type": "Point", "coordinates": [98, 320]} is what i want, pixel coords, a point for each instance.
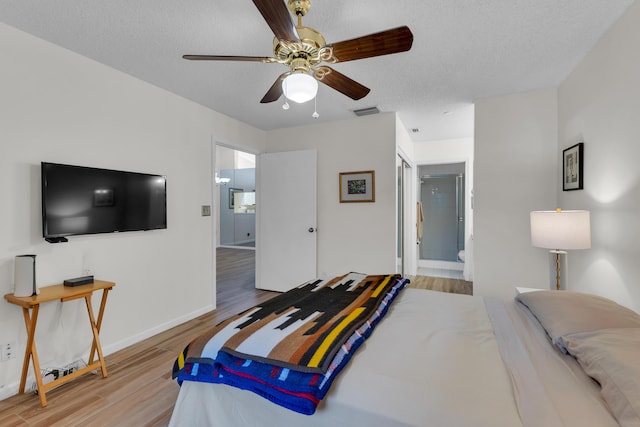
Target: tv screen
{"type": "Point", "coordinates": [83, 200]}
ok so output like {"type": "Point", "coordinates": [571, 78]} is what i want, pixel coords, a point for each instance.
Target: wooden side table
{"type": "Point", "coordinates": [31, 307]}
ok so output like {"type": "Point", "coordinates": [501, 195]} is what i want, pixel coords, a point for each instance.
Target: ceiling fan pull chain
{"type": "Point", "coordinates": [315, 114]}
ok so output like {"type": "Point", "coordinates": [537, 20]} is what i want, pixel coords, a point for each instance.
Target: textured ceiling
{"type": "Point", "coordinates": [463, 50]}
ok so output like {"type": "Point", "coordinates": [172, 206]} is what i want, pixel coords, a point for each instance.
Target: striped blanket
{"type": "Point", "coordinates": [290, 349]}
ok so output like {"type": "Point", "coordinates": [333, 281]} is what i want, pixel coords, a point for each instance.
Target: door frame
{"type": "Point", "coordinates": [410, 250]}
{"type": "Point", "coordinates": [215, 205]}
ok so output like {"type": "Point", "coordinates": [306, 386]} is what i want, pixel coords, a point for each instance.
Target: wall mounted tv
{"type": "Point", "coordinates": [83, 200]}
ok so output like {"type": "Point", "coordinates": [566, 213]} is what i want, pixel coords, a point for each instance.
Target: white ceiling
{"type": "Point", "coordinates": [463, 50]}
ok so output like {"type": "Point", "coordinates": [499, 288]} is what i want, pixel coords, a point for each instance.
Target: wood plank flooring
{"type": "Point", "coordinates": [456, 286]}
{"type": "Point", "coordinates": [139, 390]}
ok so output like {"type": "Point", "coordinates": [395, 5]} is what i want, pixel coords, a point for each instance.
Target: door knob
{"type": "Point", "coordinates": [311, 229]}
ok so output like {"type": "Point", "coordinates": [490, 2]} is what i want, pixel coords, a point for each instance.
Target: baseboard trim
{"type": "Point", "coordinates": [249, 248]}
{"type": "Point", "coordinates": [12, 389]}
{"type": "Point", "coordinates": [112, 348]}
{"type": "Point", "coordinates": [445, 265]}
{"type": "Point", "coordinates": [8, 391]}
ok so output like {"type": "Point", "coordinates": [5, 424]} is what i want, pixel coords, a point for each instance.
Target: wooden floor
{"type": "Point", "coordinates": [455, 286]}
{"type": "Point", "coordinates": [139, 390]}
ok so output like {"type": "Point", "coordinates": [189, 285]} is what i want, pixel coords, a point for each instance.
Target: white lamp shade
{"type": "Point", "coordinates": [300, 87]}
{"type": "Point", "coordinates": [562, 230]}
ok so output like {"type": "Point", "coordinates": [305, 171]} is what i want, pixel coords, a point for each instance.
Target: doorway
{"type": "Point", "coordinates": [235, 254]}
{"type": "Point", "coordinates": [286, 251]}
{"type": "Point", "coordinates": [442, 199]}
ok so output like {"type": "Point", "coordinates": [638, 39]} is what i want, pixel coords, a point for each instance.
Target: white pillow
{"type": "Point", "coordinates": [564, 312]}
{"type": "Point", "coordinates": [612, 357]}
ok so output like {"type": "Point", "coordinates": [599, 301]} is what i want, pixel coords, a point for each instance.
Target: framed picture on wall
{"type": "Point", "coordinates": [357, 187]}
{"type": "Point", "coordinates": [573, 168]}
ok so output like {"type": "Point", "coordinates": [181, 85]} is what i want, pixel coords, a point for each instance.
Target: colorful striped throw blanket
{"type": "Point", "coordinates": [290, 348]}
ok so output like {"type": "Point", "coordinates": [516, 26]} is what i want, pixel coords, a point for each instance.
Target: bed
{"type": "Point", "coordinates": [439, 359]}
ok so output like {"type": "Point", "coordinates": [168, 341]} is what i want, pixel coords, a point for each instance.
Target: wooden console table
{"type": "Point", "coordinates": [31, 306]}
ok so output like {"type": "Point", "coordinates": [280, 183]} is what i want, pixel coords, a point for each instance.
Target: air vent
{"type": "Point", "coordinates": [366, 111]}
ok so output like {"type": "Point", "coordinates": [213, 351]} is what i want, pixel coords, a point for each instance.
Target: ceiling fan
{"type": "Point", "coordinates": [304, 50]}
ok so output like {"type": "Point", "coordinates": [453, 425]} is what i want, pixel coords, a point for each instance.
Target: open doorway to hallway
{"type": "Point", "coordinates": [235, 182]}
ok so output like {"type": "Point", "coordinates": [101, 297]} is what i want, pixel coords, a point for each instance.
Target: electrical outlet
{"type": "Point", "coordinates": [8, 351]}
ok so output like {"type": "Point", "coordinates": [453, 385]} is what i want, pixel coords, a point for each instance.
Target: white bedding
{"type": "Point", "coordinates": [434, 360]}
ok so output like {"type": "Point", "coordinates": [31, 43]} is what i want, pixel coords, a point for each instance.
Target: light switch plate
{"type": "Point", "coordinates": [206, 210]}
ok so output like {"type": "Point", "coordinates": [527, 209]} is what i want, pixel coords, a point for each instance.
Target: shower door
{"type": "Point", "coordinates": [442, 199]}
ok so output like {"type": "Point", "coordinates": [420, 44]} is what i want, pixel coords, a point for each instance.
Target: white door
{"type": "Point", "coordinates": [285, 219]}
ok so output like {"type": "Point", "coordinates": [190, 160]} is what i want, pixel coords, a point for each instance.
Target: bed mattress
{"type": "Point", "coordinates": [436, 359]}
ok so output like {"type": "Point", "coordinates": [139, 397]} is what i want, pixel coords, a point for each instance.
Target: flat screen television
{"type": "Point", "coordinates": [84, 200]}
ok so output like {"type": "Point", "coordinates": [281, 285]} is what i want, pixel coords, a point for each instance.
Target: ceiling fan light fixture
{"type": "Point", "coordinates": [300, 87]}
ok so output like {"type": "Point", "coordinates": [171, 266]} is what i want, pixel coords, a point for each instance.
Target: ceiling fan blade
{"type": "Point", "coordinates": [264, 59]}
{"type": "Point", "coordinates": [277, 15]}
{"type": "Point", "coordinates": [383, 43]}
{"type": "Point", "coordinates": [342, 83]}
{"type": "Point", "coordinates": [275, 91]}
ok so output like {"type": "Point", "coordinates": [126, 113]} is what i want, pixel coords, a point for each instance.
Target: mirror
{"type": "Point", "coordinates": [244, 202]}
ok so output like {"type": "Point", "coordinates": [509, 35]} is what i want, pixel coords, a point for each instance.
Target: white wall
{"type": "Point", "coordinates": [519, 141]}
{"type": "Point", "coordinates": [599, 104]}
{"type": "Point", "coordinates": [351, 236]}
{"type": "Point", "coordinates": [404, 144]}
{"type": "Point", "coordinates": [443, 151]}
{"type": "Point", "coordinates": [60, 107]}
{"type": "Point", "coordinates": [515, 172]}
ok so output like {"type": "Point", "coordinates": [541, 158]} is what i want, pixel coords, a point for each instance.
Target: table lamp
{"type": "Point", "coordinates": [560, 231]}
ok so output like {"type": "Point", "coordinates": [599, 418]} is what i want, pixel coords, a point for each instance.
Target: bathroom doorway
{"type": "Point", "coordinates": [442, 202]}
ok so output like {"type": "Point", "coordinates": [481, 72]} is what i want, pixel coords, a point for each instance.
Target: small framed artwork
{"type": "Point", "coordinates": [232, 192]}
{"type": "Point", "coordinates": [357, 186]}
{"type": "Point", "coordinates": [573, 168]}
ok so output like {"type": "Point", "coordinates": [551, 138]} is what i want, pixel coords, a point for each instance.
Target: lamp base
{"type": "Point", "coordinates": [558, 271]}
